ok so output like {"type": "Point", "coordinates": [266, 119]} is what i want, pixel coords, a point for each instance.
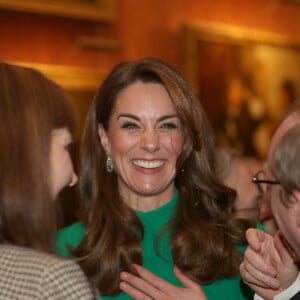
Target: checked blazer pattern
{"type": "Point", "coordinates": [26, 274]}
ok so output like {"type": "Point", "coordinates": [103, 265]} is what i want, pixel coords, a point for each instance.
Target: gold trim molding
{"type": "Point", "coordinates": [70, 78]}
{"type": "Point", "coordinates": [92, 10]}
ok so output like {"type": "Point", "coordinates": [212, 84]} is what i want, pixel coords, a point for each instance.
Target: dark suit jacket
{"type": "Point", "coordinates": [296, 297]}
{"type": "Point", "coordinates": [26, 274]}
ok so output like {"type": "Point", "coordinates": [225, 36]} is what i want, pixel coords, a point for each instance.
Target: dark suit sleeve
{"type": "Point", "coordinates": [297, 296]}
{"type": "Point", "coordinates": [292, 292]}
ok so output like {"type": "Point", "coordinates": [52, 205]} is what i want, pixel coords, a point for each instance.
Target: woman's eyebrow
{"type": "Point", "coordinates": [162, 118]}
{"type": "Point", "coordinates": [128, 116]}
{"type": "Point", "coordinates": [167, 117]}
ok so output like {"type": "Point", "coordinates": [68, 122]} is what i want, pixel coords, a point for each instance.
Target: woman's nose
{"type": "Point", "coordinates": [150, 140]}
{"type": "Point", "coordinates": [74, 179]}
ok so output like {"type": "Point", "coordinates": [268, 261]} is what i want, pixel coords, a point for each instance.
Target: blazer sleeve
{"type": "Point", "coordinates": [65, 280]}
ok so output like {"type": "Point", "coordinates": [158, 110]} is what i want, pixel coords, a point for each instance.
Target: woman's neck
{"type": "Point", "coordinates": [146, 203]}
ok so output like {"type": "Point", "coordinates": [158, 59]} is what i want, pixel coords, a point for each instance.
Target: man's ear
{"type": "Point", "coordinates": [104, 140]}
{"type": "Point", "coordinates": [296, 194]}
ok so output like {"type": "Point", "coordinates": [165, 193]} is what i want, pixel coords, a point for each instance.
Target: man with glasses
{"type": "Point", "coordinates": [263, 185]}
{"type": "Point", "coordinates": [270, 266]}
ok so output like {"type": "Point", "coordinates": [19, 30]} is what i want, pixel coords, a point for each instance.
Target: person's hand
{"type": "Point", "coordinates": [287, 266]}
{"type": "Point", "coordinates": [149, 286]}
{"type": "Point", "coordinates": [268, 267]}
{"type": "Point", "coordinates": [256, 267]}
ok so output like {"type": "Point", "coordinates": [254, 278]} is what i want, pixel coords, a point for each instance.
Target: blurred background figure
{"type": "Point", "coordinates": [236, 171]}
{"type": "Point", "coordinates": [242, 117]}
{"type": "Point", "coordinates": [287, 98]}
{"type": "Point", "coordinates": [288, 93]}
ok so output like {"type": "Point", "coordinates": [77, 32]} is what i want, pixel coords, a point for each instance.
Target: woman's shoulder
{"type": "Point", "coordinates": [41, 275]}
{"type": "Point", "coordinates": [16, 256]}
{"type": "Point", "coordinates": [69, 236]}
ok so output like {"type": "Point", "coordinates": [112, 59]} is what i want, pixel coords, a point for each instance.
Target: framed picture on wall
{"type": "Point", "coordinates": [92, 10]}
{"type": "Point", "coordinates": [242, 77]}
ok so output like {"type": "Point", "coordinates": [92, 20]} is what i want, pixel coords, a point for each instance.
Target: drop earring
{"type": "Point", "coordinates": [109, 164]}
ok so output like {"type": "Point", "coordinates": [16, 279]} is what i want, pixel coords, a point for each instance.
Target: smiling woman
{"type": "Point", "coordinates": [144, 144]}
{"type": "Point", "coordinates": [150, 195]}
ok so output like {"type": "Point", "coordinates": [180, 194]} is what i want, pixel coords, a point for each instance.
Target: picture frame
{"type": "Point", "coordinates": [91, 10]}
{"type": "Point", "coordinates": [225, 63]}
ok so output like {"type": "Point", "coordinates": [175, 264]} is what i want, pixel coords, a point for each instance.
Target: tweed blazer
{"type": "Point", "coordinates": [27, 274]}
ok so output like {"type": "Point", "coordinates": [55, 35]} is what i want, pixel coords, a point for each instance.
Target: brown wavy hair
{"type": "Point", "coordinates": [203, 233]}
{"type": "Point", "coordinates": [31, 106]}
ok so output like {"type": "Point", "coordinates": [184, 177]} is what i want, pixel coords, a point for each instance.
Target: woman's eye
{"type": "Point", "coordinates": [130, 125]}
{"type": "Point", "coordinates": [169, 125]}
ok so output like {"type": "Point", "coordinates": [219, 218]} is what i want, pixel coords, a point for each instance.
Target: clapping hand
{"type": "Point", "coordinates": [269, 264]}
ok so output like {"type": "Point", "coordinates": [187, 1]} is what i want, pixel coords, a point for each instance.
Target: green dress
{"type": "Point", "coordinates": [160, 263]}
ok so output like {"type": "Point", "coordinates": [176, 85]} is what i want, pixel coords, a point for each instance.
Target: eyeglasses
{"type": "Point", "coordinates": [263, 184]}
